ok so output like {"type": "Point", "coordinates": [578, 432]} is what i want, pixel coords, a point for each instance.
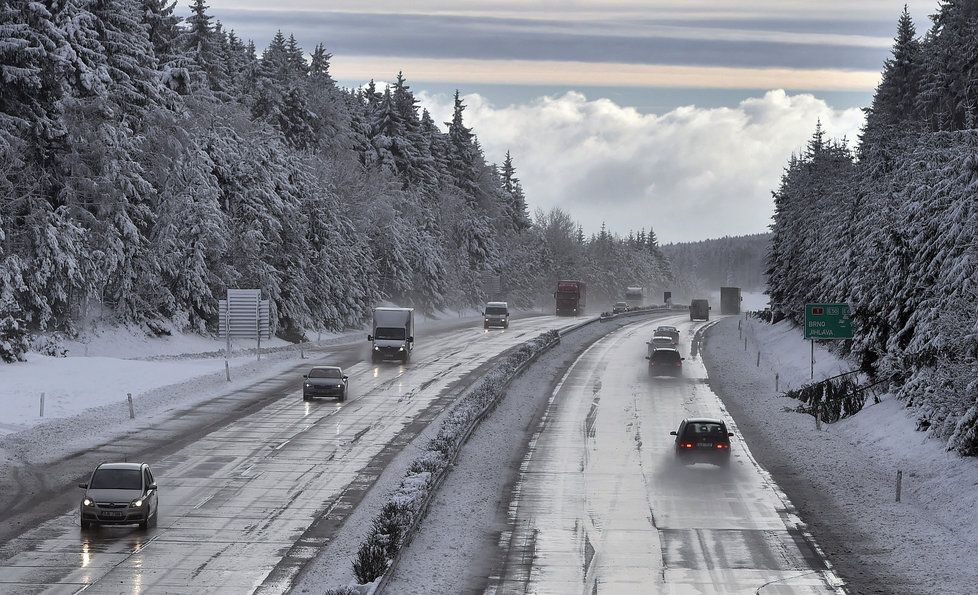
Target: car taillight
{"type": "Point", "coordinates": [722, 445]}
{"type": "Point", "coordinates": [687, 445]}
{"type": "Point", "coordinates": [679, 364]}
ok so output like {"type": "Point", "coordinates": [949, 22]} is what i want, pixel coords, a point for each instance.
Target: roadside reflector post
{"type": "Point", "coordinates": [777, 382]}
{"type": "Point", "coordinates": [42, 405]}
{"type": "Point", "coordinates": [132, 412]}
{"type": "Point", "coordinates": [745, 343]}
{"type": "Point", "coordinates": [899, 485]}
{"type": "Point", "coordinates": [813, 359]}
{"type": "Point", "coordinates": [227, 369]}
{"type": "Point", "coordinates": [758, 359]}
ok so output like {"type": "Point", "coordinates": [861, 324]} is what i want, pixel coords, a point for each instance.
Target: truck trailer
{"type": "Point", "coordinates": [393, 334]}
{"type": "Point", "coordinates": [730, 300]}
{"type": "Point", "coordinates": [634, 297]}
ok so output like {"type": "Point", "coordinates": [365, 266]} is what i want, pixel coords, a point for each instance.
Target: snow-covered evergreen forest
{"type": "Point", "coordinates": [891, 226]}
{"type": "Point", "coordinates": [148, 163]}
{"type": "Point", "coordinates": [700, 268]}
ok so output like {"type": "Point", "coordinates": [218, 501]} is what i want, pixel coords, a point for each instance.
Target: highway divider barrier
{"type": "Point", "coordinates": [400, 517]}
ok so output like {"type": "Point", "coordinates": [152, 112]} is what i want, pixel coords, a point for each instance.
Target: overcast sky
{"type": "Point", "coordinates": [675, 113]}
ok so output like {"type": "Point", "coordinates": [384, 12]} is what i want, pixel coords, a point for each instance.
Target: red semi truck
{"type": "Point", "coordinates": [571, 298]}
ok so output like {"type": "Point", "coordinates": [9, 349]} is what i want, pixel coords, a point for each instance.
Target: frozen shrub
{"type": "Point", "coordinates": [371, 560]}
{"type": "Point", "coordinates": [49, 345]}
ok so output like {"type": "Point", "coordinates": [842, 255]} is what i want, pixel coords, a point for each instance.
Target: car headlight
{"type": "Point", "coordinates": [137, 503]}
{"type": "Point", "coordinates": [308, 385]}
{"type": "Point", "coordinates": [87, 502]}
{"type": "Point", "coordinates": [400, 349]}
{"type": "Point", "coordinates": [487, 320]}
{"type": "Point", "coordinates": [376, 348]}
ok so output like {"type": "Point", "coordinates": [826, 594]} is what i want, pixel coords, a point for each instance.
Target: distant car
{"type": "Point", "coordinates": [496, 315]}
{"type": "Point", "coordinates": [619, 307]}
{"type": "Point", "coordinates": [665, 362]}
{"type": "Point", "coordinates": [325, 381]}
{"type": "Point", "coordinates": [703, 440]}
{"type": "Point", "coordinates": [662, 342]}
{"type": "Point", "coordinates": [120, 494]}
{"type": "Point", "coordinates": [667, 331]}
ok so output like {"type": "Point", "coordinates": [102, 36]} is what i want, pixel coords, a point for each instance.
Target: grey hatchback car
{"type": "Point", "coordinates": [120, 494]}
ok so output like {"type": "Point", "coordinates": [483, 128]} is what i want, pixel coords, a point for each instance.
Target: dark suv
{"type": "Point", "coordinates": [665, 362]}
{"type": "Point", "coordinates": [703, 440]}
{"type": "Point", "coordinates": [120, 494]}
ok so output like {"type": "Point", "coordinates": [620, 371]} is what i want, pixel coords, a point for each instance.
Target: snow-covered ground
{"type": "Point", "coordinates": [842, 478]}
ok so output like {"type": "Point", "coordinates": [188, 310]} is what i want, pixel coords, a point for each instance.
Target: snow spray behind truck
{"type": "Point", "coordinates": [730, 300]}
{"type": "Point", "coordinates": [393, 334]}
{"type": "Point", "coordinates": [570, 297]}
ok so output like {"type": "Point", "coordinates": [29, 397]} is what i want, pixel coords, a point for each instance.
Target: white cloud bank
{"type": "Point", "coordinates": [692, 173]}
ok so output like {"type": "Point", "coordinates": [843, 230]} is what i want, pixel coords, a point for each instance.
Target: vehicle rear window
{"type": "Point", "coordinates": [324, 373]}
{"type": "Point", "coordinates": [117, 479]}
{"type": "Point", "coordinates": [663, 357]}
{"type": "Point", "coordinates": [496, 311]}
{"type": "Point", "coordinates": [704, 430]}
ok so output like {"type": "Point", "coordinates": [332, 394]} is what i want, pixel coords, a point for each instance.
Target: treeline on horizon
{"type": "Point", "coordinates": [700, 268]}
{"type": "Point", "coordinates": [148, 163]}
{"type": "Point", "coordinates": [891, 227]}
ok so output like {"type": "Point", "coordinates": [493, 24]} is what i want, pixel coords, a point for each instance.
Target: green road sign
{"type": "Point", "coordinates": [827, 321]}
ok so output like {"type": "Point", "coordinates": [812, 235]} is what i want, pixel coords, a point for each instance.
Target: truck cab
{"type": "Point", "coordinates": [496, 315]}
{"type": "Point", "coordinates": [393, 334]}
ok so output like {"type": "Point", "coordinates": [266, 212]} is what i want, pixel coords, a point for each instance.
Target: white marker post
{"type": "Point", "coordinates": [132, 412]}
{"type": "Point", "coordinates": [42, 405]}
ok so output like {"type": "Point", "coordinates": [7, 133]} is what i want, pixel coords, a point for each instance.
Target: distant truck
{"type": "Point", "coordinates": [634, 297]}
{"type": "Point", "coordinates": [699, 310]}
{"type": "Point", "coordinates": [730, 300]}
{"type": "Point", "coordinates": [571, 298]}
{"type": "Point", "coordinates": [393, 334]}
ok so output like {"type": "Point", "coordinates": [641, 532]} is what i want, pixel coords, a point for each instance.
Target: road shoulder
{"type": "Point", "coordinates": [842, 478]}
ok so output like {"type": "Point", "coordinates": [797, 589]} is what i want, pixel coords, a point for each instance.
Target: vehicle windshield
{"type": "Point", "coordinates": [496, 311]}
{"type": "Point", "coordinates": [704, 430]}
{"type": "Point", "coordinates": [620, 304]}
{"type": "Point", "coordinates": [117, 479]}
{"type": "Point", "coordinates": [391, 334]}
{"type": "Point", "coordinates": [325, 373]}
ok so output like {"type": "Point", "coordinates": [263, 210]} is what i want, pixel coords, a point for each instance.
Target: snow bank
{"type": "Point", "coordinates": [842, 477]}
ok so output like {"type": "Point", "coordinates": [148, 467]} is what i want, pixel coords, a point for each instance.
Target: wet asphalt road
{"type": "Point", "coordinates": [244, 506]}
{"type": "Point", "coordinates": [602, 506]}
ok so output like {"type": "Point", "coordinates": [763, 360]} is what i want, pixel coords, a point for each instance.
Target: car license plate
{"type": "Point", "coordinates": [705, 444]}
{"type": "Point", "coordinates": [112, 515]}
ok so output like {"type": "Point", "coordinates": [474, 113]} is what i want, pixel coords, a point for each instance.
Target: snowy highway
{"type": "Point", "coordinates": [602, 506]}
{"type": "Point", "coordinates": [244, 507]}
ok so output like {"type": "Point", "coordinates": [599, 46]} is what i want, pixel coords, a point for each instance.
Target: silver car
{"type": "Point", "coordinates": [120, 494]}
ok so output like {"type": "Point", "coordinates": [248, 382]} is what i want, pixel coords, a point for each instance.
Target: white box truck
{"type": "Point", "coordinates": [393, 334]}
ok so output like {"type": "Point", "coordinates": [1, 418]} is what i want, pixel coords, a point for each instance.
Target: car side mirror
{"type": "Point", "coordinates": [83, 486]}
{"type": "Point", "coordinates": [729, 434]}
{"type": "Point", "coordinates": [151, 487]}
{"type": "Point", "coordinates": [682, 359]}
{"type": "Point", "coordinates": [410, 339]}
{"type": "Point", "coordinates": [305, 375]}
{"type": "Point", "coordinates": [346, 378]}
{"type": "Point", "coordinates": [673, 434]}
{"type": "Point", "coordinates": [370, 337]}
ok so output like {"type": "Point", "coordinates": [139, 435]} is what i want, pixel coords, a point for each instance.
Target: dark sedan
{"type": "Point", "coordinates": [325, 381]}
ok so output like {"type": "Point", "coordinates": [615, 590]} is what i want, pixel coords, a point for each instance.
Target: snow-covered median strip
{"type": "Point", "coordinates": [393, 527]}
